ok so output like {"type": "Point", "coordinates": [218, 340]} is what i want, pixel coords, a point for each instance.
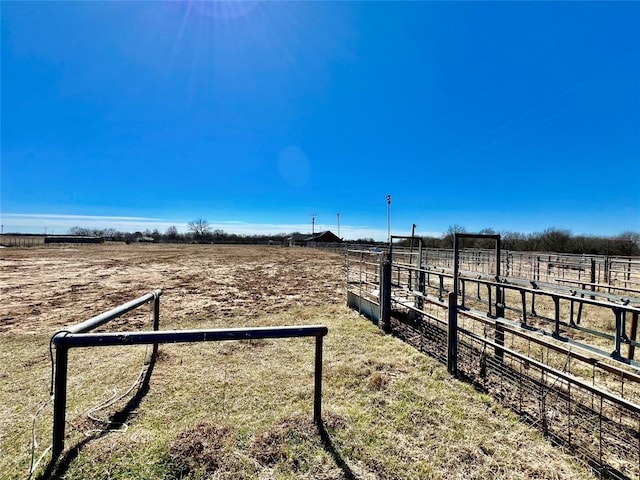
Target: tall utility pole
{"type": "Point", "coordinates": [389, 218]}
{"type": "Point", "coordinates": [338, 224]}
{"type": "Point", "coordinates": [313, 224]}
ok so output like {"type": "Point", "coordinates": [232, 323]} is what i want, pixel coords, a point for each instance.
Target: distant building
{"type": "Point", "coordinates": [38, 240]}
{"type": "Point", "coordinates": [306, 240]}
{"type": "Point", "coordinates": [72, 239]}
{"type": "Point", "coordinates": [297, 240]}
{"type": "Point", "coordinates": [145, 239]}
{"type": "Point", "coordinates": [324, 237]}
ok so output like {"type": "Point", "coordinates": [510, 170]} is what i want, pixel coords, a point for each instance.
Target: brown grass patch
{"type": "Point", "coordinates": [277, 443]}
{"type": "Point", "coordinates": [203, 448]}
{"type": "Point", "coordinates": [241, 409]}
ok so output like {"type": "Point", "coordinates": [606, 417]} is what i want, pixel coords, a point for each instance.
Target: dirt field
{"type": "Point", "coordinates": [44, 289]}
{"type": "Point", "coordinates": [390, 411]}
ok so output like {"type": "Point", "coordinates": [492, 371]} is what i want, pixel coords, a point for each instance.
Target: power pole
{"type": "Point", "coordinates": [313, 224]}
{"type": "Point", "coordinates": [338, 224]}
{"type": "Point", "coordinates": [389, 218]}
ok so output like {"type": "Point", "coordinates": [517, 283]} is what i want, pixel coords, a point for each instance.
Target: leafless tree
{"type": "Point", "coordinates": [200, 229]}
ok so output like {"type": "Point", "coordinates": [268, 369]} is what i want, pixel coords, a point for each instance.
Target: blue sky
{"type": "Point", "coordinates": [510, 115]}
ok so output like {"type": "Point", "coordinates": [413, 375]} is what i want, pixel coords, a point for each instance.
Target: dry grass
{"type": "Point", "coordinates": [242, 409]}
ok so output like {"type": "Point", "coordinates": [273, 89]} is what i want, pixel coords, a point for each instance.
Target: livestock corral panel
{"type": "Point", "coordinates": [563, 358]}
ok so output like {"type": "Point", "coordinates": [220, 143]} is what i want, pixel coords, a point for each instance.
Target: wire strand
{"type": "Point", "coordinates": [123, 426]}
{"type": "Point", "coordinates": [34, 442]}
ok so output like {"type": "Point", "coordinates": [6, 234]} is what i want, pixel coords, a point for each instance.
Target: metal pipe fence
{"type": "Point", "coordinates": [561, 357]}
{"type": "Point", "coordinates": [79, 336]}
{"type": "Point", "coordinates": [602, 273]}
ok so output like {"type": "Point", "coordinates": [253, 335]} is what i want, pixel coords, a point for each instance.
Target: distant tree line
{"type": "Point", "coordinates": [199, 232]}
{"type": "Point", "coordinates": [550, 240]}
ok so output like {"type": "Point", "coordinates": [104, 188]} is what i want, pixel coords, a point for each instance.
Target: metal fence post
{"type": "Point", "coordinates": [452, 326]}
{"type": "Point", "coordinates": [619, 332]}
{"type": "Point", "coordinates": [593, 277]}
{"type": "Point", "coordinates": [156, 323]}
{"type": "Point", "coordinates": [633, 335]}
{"type": "Point", "coordinates": [421, 289]}
{"type": "Point", "coordinates": [500, 300]}
{"type": "Point", "coordinates": [60, 399]}
{"type": "Point", "coordinates": [385, 294]}
{"type": "Point", "coordinates": [452, 336]}
{"type": "Point", "coordinates": [317, 394]}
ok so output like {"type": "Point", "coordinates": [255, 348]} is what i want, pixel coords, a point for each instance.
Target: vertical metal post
{"type": "Point", "coordinates": [499, 340]}
{"type": "Point", "coordinates": [463, 294]}
{"type": "Point", "coordinates": [456, 267]}
{"type": "Point", "coordinates": [360, 282]}
{"type": "Point", "coordinates": [317, 394]}
{"type": "Point", "coordinates": [593, 277]}
{"type": "Point", "coordinates": [579, 316]}
{"type": "Point", "coordinates": [571, 309]}
{"type": "Point", "coordinates": [156, 323]}
{"type": "Point", "coordinates": [452, 330]}
{"type": "Point", "coordinates": [421, 289]}
{"type": "Point", "coordinates": [556, 328]}
{"type": "Point", "coordinates": [633, 334]}
{"type": "Point", "coordinates": [389, 219]}
{"type": "Point", "coordinates": [499, 291]}
{"type": "Point", "coordinates": [60, 399]}
{"type": "Point", "coordinates": [618, 337]}
{"type": "Point", "coordinates": [385, 294]}
{"type": "Point", "coordinates": [452, 336]}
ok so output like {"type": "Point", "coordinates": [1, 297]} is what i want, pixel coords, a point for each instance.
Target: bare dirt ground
{"type": "Point", "coordinates": [44, 289]}
{"type": "Point", "coordinates": [389, 408]}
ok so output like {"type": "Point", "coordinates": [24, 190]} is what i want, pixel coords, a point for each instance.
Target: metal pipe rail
{"type": "Point", "coordinates": [560, 402]}
{"type": "Point", "coordinates": [516, 330]}
{"type": "Point", "coordinates": [620, 310]}
{"type": "Point", "coordinates": [64, 341]}
{"type": "Point", "coordinates": [537, 285]}
{"type": "Point", "coordinates": [114, 313]}
{"type": "Point", "coordinates": [60, 376]}
{"type": "Point", "coordinates": [632, 407]}
{"type": "Point", "coordinates": [608, 271]}
{"type": "Point", "coordinates": [529, 286]}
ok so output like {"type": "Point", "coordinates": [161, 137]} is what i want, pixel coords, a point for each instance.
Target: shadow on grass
{"type": "Point", "coordinates": [57, 467]}
{"type": "Point", "coordinates": [330, 447]}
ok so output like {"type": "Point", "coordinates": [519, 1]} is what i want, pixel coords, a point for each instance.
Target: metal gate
{"type": "Point", "coordinates": [533, 345]}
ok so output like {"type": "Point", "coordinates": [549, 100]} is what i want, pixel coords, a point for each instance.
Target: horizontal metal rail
{"type": "Point", "coordinates": [64, 341]}
{"type": "Point", "coordinates": [184, 336]}
{"type": "Point", "coordinates": [501, 285]}
{"type": "Point", "coordinates": [538, 286]}
{"type": "Point", "coordinates": [557, 397]}
{"type": "Point", "coordinates": [105, 317]}
{"type": "Point", "coordinates": [541, 340]}
{"type": "Point", "coordinates": [632, 407]}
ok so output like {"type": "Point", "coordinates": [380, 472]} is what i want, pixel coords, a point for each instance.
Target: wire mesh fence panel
{"type": "Point", "coordinates": [543, 353]}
